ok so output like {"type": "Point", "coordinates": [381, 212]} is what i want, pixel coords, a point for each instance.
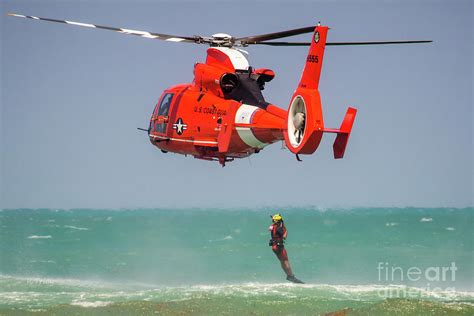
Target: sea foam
{"type": "Point", "coordinates": [90, 304]}
{"type": "Point", "coordinates": [39, 237]}
{"type": "Point", "coordinates": [76, 228]}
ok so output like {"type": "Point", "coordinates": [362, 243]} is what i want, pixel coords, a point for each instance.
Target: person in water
{"type": "Point", "coordinates": [278, 232]}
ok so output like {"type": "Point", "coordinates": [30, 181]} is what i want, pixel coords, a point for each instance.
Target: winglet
{"type": "Point", "coordinates": [343, 134]}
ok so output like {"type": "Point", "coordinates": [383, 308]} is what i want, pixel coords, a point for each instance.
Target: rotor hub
{"type": "Point", "coordinates": [222, 39]}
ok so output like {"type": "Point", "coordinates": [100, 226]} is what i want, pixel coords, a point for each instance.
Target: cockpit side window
{"type": "Point", "coordinates": [165, 104]}
{"type": "Point", "coordinates": [162, 109]}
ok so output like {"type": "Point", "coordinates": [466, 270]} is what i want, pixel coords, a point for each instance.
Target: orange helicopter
{"type": "Point", "coordinates": [222, 114]}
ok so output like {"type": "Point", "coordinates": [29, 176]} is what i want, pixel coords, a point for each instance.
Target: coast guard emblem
{"type": "Point", "coordinates": [316, 37]}
{"type": "Point", "coordinates": [179, 126]}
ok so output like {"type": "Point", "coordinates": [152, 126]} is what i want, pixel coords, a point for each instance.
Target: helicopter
{"type": "Point", "coordinates": [222, 114]}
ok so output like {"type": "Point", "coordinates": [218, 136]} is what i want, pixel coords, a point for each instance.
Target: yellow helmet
{"type": "Point", "coordinates": [277, 218]}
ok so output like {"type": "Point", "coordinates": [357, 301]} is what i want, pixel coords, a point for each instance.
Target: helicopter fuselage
{"type": "Point", "coordinates": [221, 115]}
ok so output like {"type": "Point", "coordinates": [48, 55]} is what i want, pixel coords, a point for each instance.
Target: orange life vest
{"type": "Point", "coordinates": [277, 237]}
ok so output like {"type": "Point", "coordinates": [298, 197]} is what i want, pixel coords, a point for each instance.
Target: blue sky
{"type": "Point", "coordinates": [73, 97]}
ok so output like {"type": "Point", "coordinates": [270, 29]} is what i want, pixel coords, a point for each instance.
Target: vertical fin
{"type": "Point", "coordinates": [314, 60]}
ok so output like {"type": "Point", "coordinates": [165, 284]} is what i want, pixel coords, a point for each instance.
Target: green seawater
{"type": "Point", "coordinates": [373, 261]}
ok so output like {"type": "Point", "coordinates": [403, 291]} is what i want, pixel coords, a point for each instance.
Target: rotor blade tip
{"type": "Point", "coordinates": [15, 15]}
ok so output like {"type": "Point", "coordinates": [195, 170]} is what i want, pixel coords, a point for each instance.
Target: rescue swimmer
{"type": "Point", "coordinates": [279, 233]}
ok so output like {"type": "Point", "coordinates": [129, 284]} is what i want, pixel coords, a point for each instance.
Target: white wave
{"type": "Point", "coordinates": [91, 304]}
{"type": "Point", "coordinates": [426, 219]}
{"type": "Point", "coordinates": [229, 237]}
{"type": "Point", "coordinates": [351, 292]}
{"type": "Point", "coordinates": [450, 228]}
{"type": "Point", "coordinates": [58, 281]}
{"type": "Point", "coordinates": [39, 237]}
{"type": "Point", "coordinates": [391, 224]}
{"type": "Point", "coordinates": [77, 228]}
{"type": "Point", "coordinates": [42, 261]}
{"type": "Point", "coordinates": [104, 296]}
{"type": "Point", "coordinates": [140, 289]}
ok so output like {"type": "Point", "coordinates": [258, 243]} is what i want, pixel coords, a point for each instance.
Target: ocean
{"type": "Point", "coordinates": [364, 261]}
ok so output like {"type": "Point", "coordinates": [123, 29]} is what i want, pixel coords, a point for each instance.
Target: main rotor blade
{"type": "Point", "coordinates": [340, 43]}
{"type": "Point", "coordinates": [165, 37]}
{"type": "Point", "coordinates": [255, 39]}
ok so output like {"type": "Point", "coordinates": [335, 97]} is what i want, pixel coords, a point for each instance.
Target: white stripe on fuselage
{"type": "Point", "coordinates": [184, 140]}
{"type": "Point", "coordinates": [244, 116]}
